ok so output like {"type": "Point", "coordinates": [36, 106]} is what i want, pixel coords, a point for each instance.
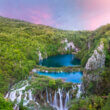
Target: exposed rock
{"type": "Point", "coordinates": [91, 82]}
{"type": "Point", "coordinates": [91, 77]}
{"type": "Point", "coordinates": [40, 56]}
{"type": "Point", "coordinates": [69, 45]}
{"type": "Point", "coordinates": [34, 70]}
{"type": "Point", "coordinates": [97, 60]}
{"type": "Point", "coordinates": [89, 45]}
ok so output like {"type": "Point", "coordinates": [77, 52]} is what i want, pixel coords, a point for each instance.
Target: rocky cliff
{"type": "Point", "coordinates": [69, 45]}
{"type": "Point", "coordinates": [97, 60]}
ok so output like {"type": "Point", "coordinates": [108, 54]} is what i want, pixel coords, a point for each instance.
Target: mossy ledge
{"type": "Point", "coordinates": [59, 69]}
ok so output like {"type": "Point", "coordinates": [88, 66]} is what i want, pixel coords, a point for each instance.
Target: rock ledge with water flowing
{"type": "Point", "coordinates": [43, 91]}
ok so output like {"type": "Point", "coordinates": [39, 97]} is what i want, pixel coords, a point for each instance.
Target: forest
{"type": "Point", "coordinates": [20, 43]}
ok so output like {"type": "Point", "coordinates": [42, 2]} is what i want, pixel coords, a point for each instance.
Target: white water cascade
{"type": "Point", "coordinates": [61, 101]}
{"type": "Point", "coordinates": [56, 99]}
{"type": "Point", "coordinates": [79, 91]}
{"type": "Point", "coordinates": [17, 94]}
{"type": "Point", "coordinates": [67, 100]}
{"type": "Point", "coordinates": [62, 105]}
{"type": "Point", "coordinates": [47, 96]}
{"type": "Point", "coordinates": [55, 103]}
{"type": "Point", "coordinates": [40, 56]}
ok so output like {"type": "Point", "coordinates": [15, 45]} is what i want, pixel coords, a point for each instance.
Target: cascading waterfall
{"type": "Point", "coordinates": [41, 95]}
{"type": "Point", "coordinates": [79, 91]}
{"type": "Point", "coordinates": [47, 95]}
{"type": "Point", "coordinates": [67, 100]}
{"type": "Point", "coordinates": [62, 104]}
{"type": "Point", "coordinates": [18, 94]}
{"type": "Point", "coordinates": [55, 103]}
{"type": "Point", "coordinates": [56, 99]}
{"type": "Point", "coordinates": [50, 98]}
{"type": "Point", "coordinates": [30, 95]}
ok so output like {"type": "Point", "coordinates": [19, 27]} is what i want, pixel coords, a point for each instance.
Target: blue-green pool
{"type": "Point", "coordinates": [60, 60]}
{"type": "Point", "coordinates": [74, 77]}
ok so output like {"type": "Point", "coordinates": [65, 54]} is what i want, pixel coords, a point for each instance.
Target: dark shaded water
{"type": "Point", "coordinates": [60, 60]}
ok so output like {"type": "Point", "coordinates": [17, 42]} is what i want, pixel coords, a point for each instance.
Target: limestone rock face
{"type": "Point", "coordinates": [70, 45]}
{"type": "Point", "coordinates": [40, 56]}
{"type": "Point", "coordinates": [97, 60]}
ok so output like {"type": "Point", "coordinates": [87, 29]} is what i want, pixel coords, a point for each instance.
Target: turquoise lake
{"type": "Point", "coordinates": [60, 61]}
{"type": "Point", "coordinates": [74, 77]}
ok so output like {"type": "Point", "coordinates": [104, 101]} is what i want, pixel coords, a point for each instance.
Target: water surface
{"type": "Point", "coordinates": [60, 61]}
{"type": "Point", "coordinates": [74, 77]}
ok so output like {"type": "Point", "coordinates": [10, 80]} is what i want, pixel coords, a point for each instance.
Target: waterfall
{"type": "Point", "coordinates": [47, 95]}
{"type": "Point", "coordinates": [40, 56]}
{"type": "Point", "coordinates": [74, 88]}
{"type": "Point", "coordinates": [25, 102]}
{"type": "Point", "coordinates": [55, 100]}
{"type": "Point", "coordinates": [12, 95]}
{"type": "Point", "coordinates": [18, 94]}
{"type": "Point", "coordinates": [30, 95]}
{"type": "Point", "coordinates": [61, 101]}
{"type": "Point", "coordinates": [67, 100]}
{"type": "Point", "coordinates": [62, 104]}
{"type": "Point", "coordinates": [16, 107]}
{"type": "Point", "coordinates": [50, 98]}
{"type": "Point", "coordinates": [41, 95]}
{"type": "Point", "coordinates": [79, 91]}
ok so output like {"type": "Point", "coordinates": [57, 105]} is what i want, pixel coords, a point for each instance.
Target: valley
{"type": "Point", "coordinates": [44, 68]}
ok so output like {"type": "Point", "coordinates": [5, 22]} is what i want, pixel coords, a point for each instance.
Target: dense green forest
{"type": "Point", "coordinates": [4, 104]}
{"type": "Point", "coordinates": [20, 43]}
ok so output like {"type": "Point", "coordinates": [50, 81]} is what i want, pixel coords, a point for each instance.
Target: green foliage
{"type": "Point", "coordinates": [105, 84]}
{"type": "Point", "coordinates": [89, 103]}
{"type": "Point", "coordinates": [67, 85]}
{"type": "Point", "coordinates": [52, 83]}
{"type": "Point", "coordinates": [41, 83]}
{"type": "Point", "coordinates": [100, 86]}
{"type": "Point", "coordinates": [4, 104]}
{"type": "Point", "coordinates": [91, 42]}
{"type": "Point", "coordinates": [20, 43]}
{"type": "Point", "coordinates": [107, 104]}
{"type": "Point", "coordinates": [21, 107]}
{"type": "Point", "coordinates": [59, 82]}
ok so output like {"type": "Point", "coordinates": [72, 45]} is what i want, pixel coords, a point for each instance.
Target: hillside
{"type": "Point", "coordinates": [20, 43]}
{"type": "Point", "coordinates": [23, 44]}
